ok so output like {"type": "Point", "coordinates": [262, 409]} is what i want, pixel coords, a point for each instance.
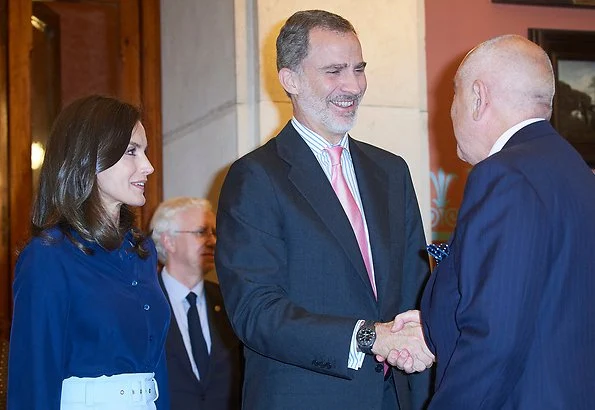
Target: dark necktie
{"type": "Point", "coordinates": [197, 340]}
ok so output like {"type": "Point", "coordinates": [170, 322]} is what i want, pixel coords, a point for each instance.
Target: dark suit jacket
{"type": "Point", "coordinates": [295, 283]}
{"type": "Point", "coordinates": [510, 312]}
{"type": "Point", "coordinates": [221, 388]}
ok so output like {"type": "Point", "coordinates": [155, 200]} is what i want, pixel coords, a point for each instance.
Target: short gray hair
{"type": "Point", "coordinates": [293, 41]}
{"type": "Point", "coordinates": [163, 220]}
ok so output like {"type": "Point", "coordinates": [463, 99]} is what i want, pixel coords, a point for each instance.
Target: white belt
{"type": "Point", "coordinates": [132, 388]}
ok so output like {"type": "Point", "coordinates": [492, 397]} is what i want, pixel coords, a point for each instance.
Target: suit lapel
{"type": "Point", "coordinates": [372, 182]}
{"type": "Point", "coordinates": [179, 349]}
{"type": "Point", "coordinates": [213, 308]}
{"type": "Point", "coordinates": [175, 343]}
{"type": "Point", "coordinates": [309, 179]}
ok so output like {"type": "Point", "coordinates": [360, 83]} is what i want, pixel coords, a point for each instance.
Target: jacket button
{"type": "Point", "coordinates": [379, 368]}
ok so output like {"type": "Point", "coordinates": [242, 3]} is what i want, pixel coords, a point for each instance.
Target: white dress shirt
{"type": "Point", "coordinates": [318, 145]}
{"type": "Point", "coordinates": [177, 296]}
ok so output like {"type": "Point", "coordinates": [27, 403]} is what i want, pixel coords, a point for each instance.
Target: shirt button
{"type": "Point", "coordinates": [134, 283]}
{"type": "Point", "coordinates": [146, 307]}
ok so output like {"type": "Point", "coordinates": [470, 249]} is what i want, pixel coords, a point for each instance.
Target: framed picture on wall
{"type": "Point", "coordinates": [573, 58]}
{"type": "Point", "coordinates": [560, 3]}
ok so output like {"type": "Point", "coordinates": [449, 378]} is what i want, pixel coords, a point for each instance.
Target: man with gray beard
{"type": "Point", "coordinates": [321, 242]}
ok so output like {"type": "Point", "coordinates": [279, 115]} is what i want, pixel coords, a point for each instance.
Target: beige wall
{"type": "Point", "coordinates": [199, 94]}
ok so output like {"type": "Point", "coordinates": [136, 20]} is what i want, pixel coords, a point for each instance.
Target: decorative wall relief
{"type": "Point", "coordinates": [444, 216]}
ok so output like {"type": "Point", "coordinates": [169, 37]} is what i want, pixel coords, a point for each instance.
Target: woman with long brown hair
{"type": "Point", "coordinates": [90, 320]}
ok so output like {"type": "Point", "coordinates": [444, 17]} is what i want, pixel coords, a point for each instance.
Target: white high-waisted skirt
{"type": "Point", "coordinates": [129, 391]}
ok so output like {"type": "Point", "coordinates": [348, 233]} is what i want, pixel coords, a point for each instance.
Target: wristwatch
{"type": "Point", "coordinates": [366, 336]}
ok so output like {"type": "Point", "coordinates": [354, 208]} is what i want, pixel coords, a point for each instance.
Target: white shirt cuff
{"type": "Point", "coordinates": [356, 357]}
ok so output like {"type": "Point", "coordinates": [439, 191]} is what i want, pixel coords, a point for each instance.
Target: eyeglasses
{"type": "Point", "coordinates": [201, 233]}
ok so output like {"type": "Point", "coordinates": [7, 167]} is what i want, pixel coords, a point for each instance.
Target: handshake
{"type": "Point", "coordinates": [401, 343]}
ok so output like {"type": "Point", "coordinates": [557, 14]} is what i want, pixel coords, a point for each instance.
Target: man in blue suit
{"type": "Point", "coordinates": [509, 313]}
{"type": "Point", "coordinates": [303, 284]}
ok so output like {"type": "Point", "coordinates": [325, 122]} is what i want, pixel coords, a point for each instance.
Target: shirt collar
{"type": "Point", "coordinates": [177, 291]}
{"type": "Point", "coordinates": [316, 142]}
{"type": "Point", "coordinates": [507, 135]}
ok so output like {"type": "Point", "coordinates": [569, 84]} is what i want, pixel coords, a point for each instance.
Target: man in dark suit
{"type": "Point", "coordinates": [321, 237]}
{"type": "Point", "coordinates": [203, 353]}
{"type": "Point", "coordinates": [509, 313]}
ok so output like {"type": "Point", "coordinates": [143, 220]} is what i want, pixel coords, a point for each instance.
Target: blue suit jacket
{"type": "Point", "coordinates": [510, 312]}
{"type": "Point", "coordinates": [219, 389]}
{"type": "Point", "coordinates": [294, 281]}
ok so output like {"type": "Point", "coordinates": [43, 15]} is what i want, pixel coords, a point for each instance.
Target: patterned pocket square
{"type": "Point", "coordinates": [438, 252]}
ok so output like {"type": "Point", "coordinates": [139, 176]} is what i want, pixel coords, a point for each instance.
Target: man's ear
{"type": "Point", "coordinates": [480, 99]}
{"type": "Point", "coordinates": [168, 242]}
{"type": "Point", "coordinates": [289, 80]}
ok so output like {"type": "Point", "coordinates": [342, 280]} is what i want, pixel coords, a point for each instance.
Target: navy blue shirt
{"type": "Point", "coordinates": [85, 316]}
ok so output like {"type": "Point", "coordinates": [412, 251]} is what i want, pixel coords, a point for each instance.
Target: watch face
{"type": "Point", "coordinates": [366, 335]}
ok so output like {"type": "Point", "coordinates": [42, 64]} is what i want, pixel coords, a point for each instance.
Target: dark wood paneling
{"type": "Point", "coordinates": [129, 86]}
{"type": "Point", "coordinates": [151, 102]}
{"type": "Point", "coordinates": [556, 3]}
{"type": "Point", "coordinates": [20, 36]}
{"type": "Point", "coordinates": [89, 48]}
{"type": "Point", "coordinates": [45, 79]}
{"type": "Point", "coordinates": [5, 276]}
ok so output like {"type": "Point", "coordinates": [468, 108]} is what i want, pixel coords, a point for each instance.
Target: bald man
{"type": "Point", "coordinates": [509, 313]}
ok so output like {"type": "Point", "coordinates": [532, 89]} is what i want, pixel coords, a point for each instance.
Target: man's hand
{"type": "Point", "coordinates": [401, 343]}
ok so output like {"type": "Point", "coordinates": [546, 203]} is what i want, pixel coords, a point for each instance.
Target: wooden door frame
{"type": "Point", "coordinates": [5, 275]}
{"type": "Point", "coordinates": [19, 40]}
{"type": "Point", "coordinates": [150, 68]}
{"type": "Point", "coordinates": [140, 84]}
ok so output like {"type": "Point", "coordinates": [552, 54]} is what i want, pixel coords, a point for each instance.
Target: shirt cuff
{"type": "Point", "coordinates": [356, 357]}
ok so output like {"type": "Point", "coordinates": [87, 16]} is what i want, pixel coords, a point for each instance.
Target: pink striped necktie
{"type": "Point", "coordinates": [354, 215]}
